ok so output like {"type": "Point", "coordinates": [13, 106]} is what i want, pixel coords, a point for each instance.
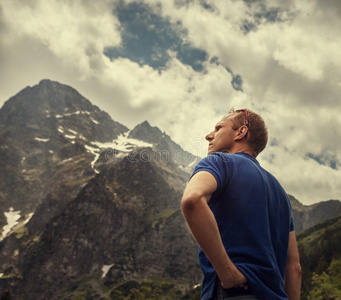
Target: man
{"type": "Point", "coordinates": [241, 217]}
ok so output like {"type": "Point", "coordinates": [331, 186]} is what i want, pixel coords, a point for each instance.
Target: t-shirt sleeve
{"type": "Point", "coordinates": [292, 225]}
{"type": "Point", "coordinates": [217, 165]}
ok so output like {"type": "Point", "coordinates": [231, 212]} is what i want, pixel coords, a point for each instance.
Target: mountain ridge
{"type": "Point", "coordinates": [307, 216]}
{"type": "Point", "coordinates": [88, 189]}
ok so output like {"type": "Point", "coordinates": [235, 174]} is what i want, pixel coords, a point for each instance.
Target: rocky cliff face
{"type": "Point", "coordinates": [307, 216]}
{"type": "Point", "coordinates": [125, 223]}
{"type": "Point", "coordinates": [91, 209]}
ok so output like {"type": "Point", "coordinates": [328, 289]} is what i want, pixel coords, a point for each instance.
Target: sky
{"type": "Point", "coordinates": [182, 64]}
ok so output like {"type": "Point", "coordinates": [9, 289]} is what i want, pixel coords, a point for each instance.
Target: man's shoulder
{"type": "Point", "coordinates": [231, 158]}
{"type": "Point", "coordinates": [218, 161]}
{"type": "Point", "coordinates": [217, 157]}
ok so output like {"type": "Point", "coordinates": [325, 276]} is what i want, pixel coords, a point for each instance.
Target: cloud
{"type": "Point", "coordinates": [290, 68]}
{"type": "Point", "coordinates": [284, 52]}
{"type": "Point", "coordinates": [75, 33]}
{"type": "Point", "coordinates": [177, 99]}
{"type": "Point", "coordinates": [302, 177]}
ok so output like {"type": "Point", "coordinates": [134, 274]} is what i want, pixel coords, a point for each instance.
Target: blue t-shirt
{"type": "Point", "coordinates": [254, 218]}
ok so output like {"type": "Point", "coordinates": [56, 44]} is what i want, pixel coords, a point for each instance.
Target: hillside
{"type": "Point", "coordinates": [320, 255]}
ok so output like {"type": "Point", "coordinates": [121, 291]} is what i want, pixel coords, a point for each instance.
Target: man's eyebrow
{"type": "Point", "coordinates": [218, 125]}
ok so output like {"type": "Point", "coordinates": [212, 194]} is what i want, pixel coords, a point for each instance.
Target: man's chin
{"type": "Point", "coordinates": [210, 151]}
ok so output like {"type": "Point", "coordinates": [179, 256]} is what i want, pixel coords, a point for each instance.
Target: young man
{"type": "Point", "coordinates": [241, 217]}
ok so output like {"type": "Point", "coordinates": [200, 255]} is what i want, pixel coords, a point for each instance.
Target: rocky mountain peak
{"type": "Point", "coordinates": [56, 107]}
{"type": "Point", "coordinates": [146, 133]}
{"type": "Point", "coordinates": [164, 145]}
{"type": "Point", "coordinates": [41, 128]}
{"type": "Point", "coordinates": [48, 97]}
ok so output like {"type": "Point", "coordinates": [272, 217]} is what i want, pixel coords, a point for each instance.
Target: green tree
{"type": "Point", "coordinates": [327, 286]}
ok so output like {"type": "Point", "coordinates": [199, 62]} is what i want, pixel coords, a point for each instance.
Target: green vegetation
{"type": "Point", "coordinates": [327, 286]}
{"type": "Point", "coordinates": [87, 289]}
{"type": "Point", "coordinates": [320, 255]}
{"type": "Point", "coordinates": [21, 231]}
{"type": "Point", "coordinates": [148, 289]}
{"type": "Point", "coordinates": [151, 289]}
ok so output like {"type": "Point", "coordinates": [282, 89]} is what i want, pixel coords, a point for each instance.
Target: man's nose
{"type": "Point", "coordinates": [209, 137]}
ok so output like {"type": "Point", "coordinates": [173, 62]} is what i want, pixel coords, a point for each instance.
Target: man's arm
{"type": "Point", "coordinates": [205, 229]}
{"type": "Point", "coordinates": [293, 272]}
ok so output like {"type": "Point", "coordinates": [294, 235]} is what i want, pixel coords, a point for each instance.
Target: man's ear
{"type": "Point", "coordinates": [241, 132]}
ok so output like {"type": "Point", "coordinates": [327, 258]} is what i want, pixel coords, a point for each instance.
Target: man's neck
{"type": "Point", "coordinates": [242, 148]}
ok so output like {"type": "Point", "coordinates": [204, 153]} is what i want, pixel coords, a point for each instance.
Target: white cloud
{"type": "Point", "coordinates": [177, 99]}
{"type": "Point", "coordinates": [290, 71]}
{"type": "Point", "coordinates": [74, 33]}
{"type": "Point", "coordinates": [309, 45]}
{"type": "Point", "coordinates": [303, 178]}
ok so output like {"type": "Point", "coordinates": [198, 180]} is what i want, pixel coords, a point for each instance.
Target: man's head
{"type": "Point", "coordinates": [239, 131]}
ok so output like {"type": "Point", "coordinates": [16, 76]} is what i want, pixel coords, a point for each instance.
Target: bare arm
{"type": "Point", "coordinates": [205, 229]}
{"type": "Point", "coordinates": [293, 272]}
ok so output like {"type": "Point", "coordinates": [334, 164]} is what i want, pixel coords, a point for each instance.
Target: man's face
{"type": "Point", "coordinates": [222, 138]}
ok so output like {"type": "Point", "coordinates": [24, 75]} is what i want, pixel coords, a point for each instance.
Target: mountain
{"type": "Point", "coordinates": [40, 129]}
{"type": "Point", "coordinates": [124, 224]}
{"type": "Point", "coordinates": [307, 216]}
{"type": "Point", "coordinates": [91, 209]}
{"type": "Point", "coordinates": [89, 199]}
{"type": "Point", "coordinates": [51, 135]}
{"type": "Point", "coordinates": [51, 108]}
{"type": "Point", "coordinates": [164, 145]}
